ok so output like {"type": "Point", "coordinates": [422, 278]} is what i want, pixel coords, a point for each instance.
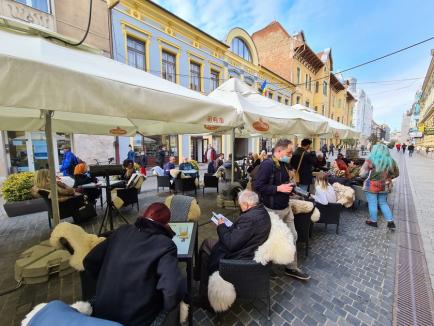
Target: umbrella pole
{"type": "Point", "coordinates": [52, 167]}
{"type": "Point", "coordinates": [233, 155]}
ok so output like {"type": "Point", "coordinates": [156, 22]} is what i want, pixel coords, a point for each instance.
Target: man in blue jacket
{"type": "Point", "coordinates": [69, 161]}
{"type": "Point", "coordinates": [274, 184]}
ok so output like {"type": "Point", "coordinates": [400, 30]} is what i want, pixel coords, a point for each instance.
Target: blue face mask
{"type": "Point", "coordinates": [284, 159]}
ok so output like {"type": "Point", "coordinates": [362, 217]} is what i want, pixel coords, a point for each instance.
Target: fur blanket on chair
{"type": "Point", "coordinates": [81, 241]}
{"type": "Point", "coordinates": [344, 195]}
{"type": "Point", "coordinates": [304, 206]}
{"type": "Point", "coordinates": [279, 249]}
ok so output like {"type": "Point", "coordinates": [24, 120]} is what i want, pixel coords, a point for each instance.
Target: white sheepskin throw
{"type": "Point", "coordinates": [183, 312]}
{"type": "Point", "coordinates": [81, 306]}
{"type": "Point", "coordinates": [221, 294]}
{"type": "Point", "coordinates": [81, 241]}
{"type": "Point", "coordinates": [344, 195]}
{"type": "Point", "coordinates": [303, 206]}
{"type": "Point", "coordinates": [279, 247]}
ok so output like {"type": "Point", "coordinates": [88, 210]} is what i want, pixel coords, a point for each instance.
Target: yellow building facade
{"type": "Point", "coordinates": [151, 38]}
{"type": "Point", "coordinates": [426, 122]}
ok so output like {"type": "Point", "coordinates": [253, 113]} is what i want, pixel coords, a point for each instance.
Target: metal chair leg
{"type": "Point", "coordinates": [269, 308]}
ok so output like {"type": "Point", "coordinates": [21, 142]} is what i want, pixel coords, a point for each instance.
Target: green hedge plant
{"type": "Point", "coordinates": [17, 187]}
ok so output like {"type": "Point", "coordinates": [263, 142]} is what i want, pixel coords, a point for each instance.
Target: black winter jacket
{"type": "Point", "coordinates": [241, 240]}
{"type": "Point", "coordinates": [137, 274]}
{"type": "Point", "coordinates": [306, 166]}
{"type": "Point", "coordinates": [267, 179]}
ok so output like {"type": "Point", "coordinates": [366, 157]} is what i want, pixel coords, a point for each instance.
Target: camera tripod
{"type": "Point", "coordinates": [110, 209]}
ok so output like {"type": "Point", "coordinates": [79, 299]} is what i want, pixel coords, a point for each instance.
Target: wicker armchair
{"type": "Point", "coordinates": [210, 181]}
{"type": "Point", "coordinates": [162, 182]}
{"type": "Point", "coordinates": [68, 208]}
{"type": "Point", "coordinates": [303, 226]}
{"type": "Point", "coordinates": [330, 214]}
{"type": "Point", "coordinates": [185, 184]}
{"type": "Point", "coordinates": [250, 279]}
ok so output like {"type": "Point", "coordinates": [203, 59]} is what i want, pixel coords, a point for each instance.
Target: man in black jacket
{"type": "Point", "coordinates": [303, 162]}
{"type": "Point", "coordinates": [238, 241]}
{"type": "Point", "coordinates": [273, 183]}
{"type": "Point", "coordinates": [136, 269]}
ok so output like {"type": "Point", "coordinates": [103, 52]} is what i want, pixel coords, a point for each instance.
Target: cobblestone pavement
{"type": "Point", "coordinates": [352, 273]}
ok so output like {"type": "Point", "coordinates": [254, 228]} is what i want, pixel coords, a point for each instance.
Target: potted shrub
{"type": "Point", "coordinates": [16, 191]}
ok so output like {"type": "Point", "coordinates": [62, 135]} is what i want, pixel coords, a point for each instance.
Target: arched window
{"type": "Point", "coordinates": [240, 48]}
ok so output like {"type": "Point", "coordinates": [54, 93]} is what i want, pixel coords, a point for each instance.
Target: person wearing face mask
{"type": "Point", "coordinates": [303, 161]}
{"type": "Point", "coordinates": [273, 184]}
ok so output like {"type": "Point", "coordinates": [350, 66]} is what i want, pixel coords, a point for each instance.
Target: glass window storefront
{"type": "Point", "coordinates": [151, 145]}
{"type": "Point", "coordinates": [28, 151]}
{"type": "Point", "coordinates": [19, 161]}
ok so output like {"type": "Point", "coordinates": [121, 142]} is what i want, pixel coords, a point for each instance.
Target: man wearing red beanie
{"type": "Point", "coordinates": [136, 270]}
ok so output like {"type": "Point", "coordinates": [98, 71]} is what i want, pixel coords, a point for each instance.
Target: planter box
{"type": "Point", "coordinates": [25, 207]}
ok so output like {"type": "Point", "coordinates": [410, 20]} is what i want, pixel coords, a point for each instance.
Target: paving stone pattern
{"type": "Point", "coordinates": [352, 273]}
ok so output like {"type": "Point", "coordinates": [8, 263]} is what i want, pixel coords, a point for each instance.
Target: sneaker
{"type": "Point", "coordinates": [391, 225]}
{"type": "Point", "coordinates": [370, 223]}
{"type": "Point", "coordinates": [297, 273]}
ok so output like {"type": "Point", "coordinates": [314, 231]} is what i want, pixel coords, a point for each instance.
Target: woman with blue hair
{"type": "Point", "coordinates": [379, 170]}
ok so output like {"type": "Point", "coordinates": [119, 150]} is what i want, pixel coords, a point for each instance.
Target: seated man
{"type": "Point", "coordinates": [186, 165]}
{"type": "Point", "coordinates": [169, 166]}
{"type": "Point", "coordinates": [320, 163]}
{"type": "Point", "coordinates": [136, 269]}
{"type": "Point", "coordinates": [239, 241]}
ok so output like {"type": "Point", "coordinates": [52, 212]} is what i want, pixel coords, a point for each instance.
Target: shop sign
{"type": "Point", "coordinates": [212, 128]}
{"type": "Point", "coordinates": [260, 125]}
{"type": "Point", "coordinates": [415, 134]}
{"type": "Point", "coordinates": [429, 131]}
{"type": "Point", "coordinates": [118, 131]}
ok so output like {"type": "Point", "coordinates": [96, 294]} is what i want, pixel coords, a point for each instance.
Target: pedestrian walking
{"type": "Point", "coordinates": [332, 149]}
{"type": "Point", "coordinates": [210, 154]}
{"type": "Point", "coordinates": [324, 151]}
{"type": "Point", "coordinates": [303, 163]}
{"type": "Point", "coordinates": [161, 156]}
{"type": "Point", "coordinates": [379, 170]}
{"type": "Point", "coordinates": [398, 147]}
{"type": "Point", "coordinates": [143, 162]}
{"type": "Point", "coordinates": [427, 151]}
{"type": "Point", "coordinates": [410, 150]}
{"type": "Point", "coordinates": [131, 155]}
{"type": "Point", "coordinates": [69, 161]}
{"type": "Point", "coordinates": [403, 146]}
{"type": "Point", "coordinates": [273, 185]}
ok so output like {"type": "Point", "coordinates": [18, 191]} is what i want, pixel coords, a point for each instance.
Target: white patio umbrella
{"type": "Point", "coordinates": [263, 116]}
{"type": "Point", "coordinates": [48, 86]}
{"type": "Point", "coordinates": [334, 128]}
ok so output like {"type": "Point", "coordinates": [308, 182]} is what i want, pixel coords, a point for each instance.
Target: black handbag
{"type": "Point", "coordinates": [85, 213]}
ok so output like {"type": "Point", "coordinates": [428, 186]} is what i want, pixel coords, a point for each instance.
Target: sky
{"type": "Point", "coordinates": [357, 31]}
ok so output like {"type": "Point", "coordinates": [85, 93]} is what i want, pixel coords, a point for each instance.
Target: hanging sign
{"type": "Point", "coordinates": [118, 131]}
{"type": "Point", "coordinates": [260, 125]}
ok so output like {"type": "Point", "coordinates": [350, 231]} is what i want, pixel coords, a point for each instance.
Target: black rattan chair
{"type": "Point", "coordinates": [185, 184]}
{"type": "Point", "coordinates": [210, 181]}
{"type": "Point", "coordinates": [68, 208]}
{"type": "Point", "coordinates": [330, 214]}
{"type": "Point", "coordinates": [250, 279]}
{"type": "Point", "coordinates": [303, 226]}
{"type": "Point", "coordinates": [162, 182]}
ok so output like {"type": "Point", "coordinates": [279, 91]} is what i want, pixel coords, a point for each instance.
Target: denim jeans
{"type": "Point", "coordinates": [375, 200]}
